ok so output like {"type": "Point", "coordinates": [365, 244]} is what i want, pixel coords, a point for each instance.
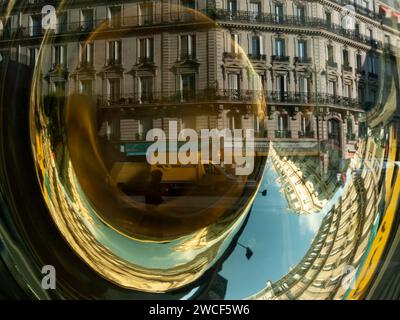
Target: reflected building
{"type": "Point", "coordinates": [316, 64]}
{"type": "Point", "coordinates": [302, 74]}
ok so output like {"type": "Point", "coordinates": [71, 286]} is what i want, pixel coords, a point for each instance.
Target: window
{"type": "Point", "coordinates": [361, 95]}
{"type": "Point", "coordinates": [359, 62]}
{"type": "Point", "coordinates": [146, 89]}
{"type": "Point", "coordinates": [232, 8]}
{"type": "Point", "coordinates": [370, 34]}
{"type": "Point", "coordinates": [280, 47]}
{"type": "Point", "coordinates": [114, 17]}
{"type": "Point", "coordinates": [282, 122]}
{"type": "Point", "coordinates": [87, 19]}
{"type": "Point", "coordinates": [234, 86]}
{"type": "Point", "coordinates": [35, 25]}
{"type": "Point", "coordinates": [114, 89]}
{"type": "Point", "coordinates": [328, 17]}
{"type": "Point", "coordinates": [146, 50]}
{"type": "Point", "coordinates": [349, 125]}
{"type": "Point", "coordinates": [188, 86]}
{"type": "Point", "coordinates": [114, 52]}
{"type": "Point", "coordinates": [303, 85]}
{"type": "Point", "coordinates": [333, 129]}
{"type": "Point", "coordinates": [255, 10]}
{"type": "Point", "coordinates": [33, 56]}
{"type": "Point", "coordinates": [301, 14]}
{"type": "Point", "coordinates": [346, 57]}
{"type": "Point", "coordinates": [188, 10]}
{"type": "Point", "coordinates": [302, 49]}
{"type": "Point", "coordinates": [332, 88]}
{"type": "Point", "coordinates": [256, 46]}
{"type": "Point", "coordinates": [330, 53]}
{"type": "Point", "coordinates": [86, 87]}
{"type": "Point", "coordinates": [371, 64]}
{"type": "Point", "coordinates": [279, 13]}
{"type": "Point", "coordinates": [234, 39]}
{"type": "Point", "coordinates": [59, 55]}
{"type": "Point", "coordinates": [188, 47]}
{"type": "Point", "coordinates": [347, 91]}
{"type": "Point", "coordinates": [357, 29]}
{"type": "Point", "coordinates": [86, 54]}
{"type": "Point", "coordinates": [190, 4]}
{"type": "Point", "coordinates": [256, 81]}
{"type": "Point", "coordinates": [281, 87]}
{"type": "Point", "coordinates": [62, 22]}
{"type": "Point", "coordinates": [146, 13]}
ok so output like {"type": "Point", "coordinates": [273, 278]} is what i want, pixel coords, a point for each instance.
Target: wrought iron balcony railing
{"type": "Point", "coordinates": [283, 134]}
{"type": "Point", "coordinates": [257, 57]}
{"type": "Point", "coordinates": [280, 58]}
{"type": "Point", "coordinates": [232, 55]}
{"type": "Point", "coordinates": [332, 64]}
{"type": "Point", "coordinates": [148, 60]}
{"type": "Point", "coordinates": [347, 68]}
{"type": "Point", "coordinates": [358, 8]}
{"type": "Point", "coordinates": [306, 134]}
{"type": "Point", "coordinates": [237, 96]}
{"type": "Point", "coordinates": [304, 60]}
{"type": "Point", "coordinates": [296, 21]}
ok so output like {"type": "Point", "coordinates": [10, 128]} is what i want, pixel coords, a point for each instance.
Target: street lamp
{"type": "Point", "coordinates": [249, 252]}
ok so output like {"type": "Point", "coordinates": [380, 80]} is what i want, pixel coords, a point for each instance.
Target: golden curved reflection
{"type": "Point", "coordinates": [184, 235]}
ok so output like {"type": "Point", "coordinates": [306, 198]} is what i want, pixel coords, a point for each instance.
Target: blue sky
{"type": "Point", "coordinates": [278, 237]}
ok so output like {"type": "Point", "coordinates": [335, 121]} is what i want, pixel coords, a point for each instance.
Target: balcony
{"type": "Point", "coordinates": [292, 21]}
{"type": "Point", "coordinates": [113, 62]}
{"type": "Point", "coordinates": [187, 56]}
{"type": "Point", "coordinates": [280, 58]}
{"type": "Point", "coordinates": [283, 134]}
{"type": "Point", "coordinates": [360, 72]}
{"type": "Point", "coordinates": [331, 64]}
{"type": "Point", "coordinates": [232, 55]}
{"type": "Point", "coordinates": [145, 60]}
{"type": "Point", "coordinates": [347, 68]}
{"type": "Point", "coordinates": [307, 134]}
{"type": "Point", "coordinates": [257, 57]}
{"type": "Point", "coordinates": [303, 60]}
{"type": "Point", "coordinates": [233, 96]}
{"type": "Point", "coordinates": [359, 9]}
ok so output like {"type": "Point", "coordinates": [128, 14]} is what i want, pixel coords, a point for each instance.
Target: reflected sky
{"type": "Point", "coordinates": [278, 237]}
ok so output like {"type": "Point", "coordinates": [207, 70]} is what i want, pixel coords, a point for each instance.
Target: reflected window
{"type": "Point", "coordinates": [146, 50]}
{"type": "Point", "coordinates": [146, 13]}
{"type": "Point", "coordinates": [114, 52]}
{"type": "Point", "coordinates": [188, 86]}
{"type": "Point", "coordinates": [279, 13]}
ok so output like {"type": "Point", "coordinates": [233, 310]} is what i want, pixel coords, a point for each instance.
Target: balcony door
{"type": "Point", "coordinates": [188, 86]}
{"type": "Point", "coordinates": [280, 48]}
{"type": "Point", "coordinates": [255, 10]}
{"type": "Point", "coordinates": [278, 13]}
{"type": "Point", "coordinates": [234, 86]}
{"type": "Point", "coordinates": [114, 89]}
{"type": "Point", "coordinates": [232, 8]}
{"type": "Point", "coordinates": [146, 89]}
{"type": "Point", "coordinates": [281, 88]}
{"type": "Point", "coordinates": [302, 48]}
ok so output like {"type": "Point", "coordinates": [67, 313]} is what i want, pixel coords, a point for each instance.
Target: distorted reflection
{"type": "Point", "coordinates": [292, 184]}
